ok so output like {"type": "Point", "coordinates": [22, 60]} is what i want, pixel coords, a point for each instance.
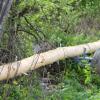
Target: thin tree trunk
{"type": "Point", "coordinates": [4, 9]}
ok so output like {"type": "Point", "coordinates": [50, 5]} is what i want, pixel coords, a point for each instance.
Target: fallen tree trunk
{"type": "Point", "coordinates": [38, 60]}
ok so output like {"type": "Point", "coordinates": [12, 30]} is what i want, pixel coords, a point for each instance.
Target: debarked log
{"type": "Point", "coordinates": [11, 70]}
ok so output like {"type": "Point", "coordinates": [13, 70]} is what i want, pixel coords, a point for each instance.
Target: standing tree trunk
{"type": "Point", "coordinates": [5, 6]}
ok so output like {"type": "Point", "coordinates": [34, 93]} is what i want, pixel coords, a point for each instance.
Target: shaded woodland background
{"type": "Point", "coordinates": [50, 24]}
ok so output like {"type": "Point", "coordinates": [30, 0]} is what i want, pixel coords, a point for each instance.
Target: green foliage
{"type": "Point", "coordinates": [87, 72]}
{"type": "Point", "coordinates": [63, 23]}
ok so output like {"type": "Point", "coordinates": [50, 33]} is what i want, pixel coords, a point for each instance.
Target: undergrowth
{"type": "Point", "coordinates": [78, 82]}
{"type": "Point", "coordinates": [74, 24]}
